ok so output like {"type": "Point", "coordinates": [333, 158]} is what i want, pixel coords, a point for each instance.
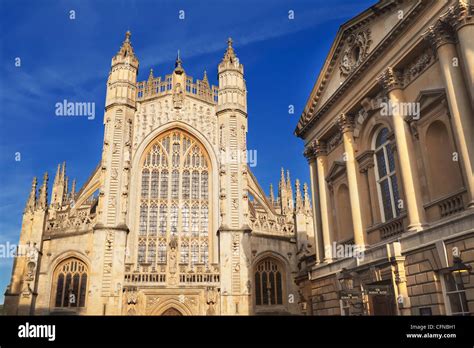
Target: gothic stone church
{"type": "Point", "coordinates": [172, 221]}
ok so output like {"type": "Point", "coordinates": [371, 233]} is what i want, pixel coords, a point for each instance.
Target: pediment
{"type": "Point", "coordinates": [429, 98]}
{"type": "Point", "coordinates": [337, 169]}
{"type": "Point", "coordinates": [356, 42]}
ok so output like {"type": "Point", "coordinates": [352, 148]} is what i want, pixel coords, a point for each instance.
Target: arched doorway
{"type": "Point", "coordinates": [171, 312]}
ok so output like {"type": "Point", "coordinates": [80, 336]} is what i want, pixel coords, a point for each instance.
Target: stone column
{"type": "Point", "coordinates": [321, 159]}
{"type": "Point", "coordinates": [313, 172]}
{"type": "Point", "coordinates": [442, 37]}
{"type": "Point", "coordinates": [399, 279]}
{"type": "Point", "coordinates": [346, 124]}
{"type": "Point", "coordinates": [409, 170]}
{"type": "Point", "coordinates": [460, 18]}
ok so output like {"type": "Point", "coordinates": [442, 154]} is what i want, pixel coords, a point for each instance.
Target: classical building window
{"type": "Point", "coordinates": [455, 295]}
{"type": "Point", "coordinates": [70, 284]}
{"type": "Point", "coordinates": [268, 283]}
{"type": "Point", "coordinates": [174, 200]}
{"type": "Point", "coordinates": [386, 177]}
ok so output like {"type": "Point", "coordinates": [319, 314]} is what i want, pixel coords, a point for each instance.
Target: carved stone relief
{"type": "Point", "coordinates": [355, 51]}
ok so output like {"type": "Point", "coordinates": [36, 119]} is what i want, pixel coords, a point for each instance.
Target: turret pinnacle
{"type": "Point", "coordinates": [229, 55]}
{"type": "Point", "coordinates": [43, 198]}
{"type": "Point", "coordinates": [272, 197]}
{"type": "Point", "coordinates": [57, 177]}
{"type": "Point", "coordinates": [306, 201]}
{"type": "Point", "coordinates": [204, 79]}
{"type": "Point", "coordinates": [150, 77]}
{"type": "Point", "coordinates": [60, 187]}
{"type": "Point", "coordinates": [73, 188]}
{"type": "Point", "coordinates": [282, 194]}
{"type": "Point", "coordinates": [178, 65]}
{"type": "Point", "coordinates": [126, 50]}
{"type": "Point", "coordinates": [299, 198]}
{"type": "Point", "coordinates": [63, 171]}
{"type": "Point", "coordinates": [66, 188]}
{"type": "Point", "coordinates": [289, 190]}
{"type": "Point", "coordinates": [31, 203]}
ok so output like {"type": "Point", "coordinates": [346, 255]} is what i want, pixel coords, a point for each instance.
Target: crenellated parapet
{"type": "Point", "coordinates": [161, 86]}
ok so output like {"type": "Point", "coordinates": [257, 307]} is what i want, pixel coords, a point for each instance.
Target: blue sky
{"type": "Point", "coordinates": [69, 59]}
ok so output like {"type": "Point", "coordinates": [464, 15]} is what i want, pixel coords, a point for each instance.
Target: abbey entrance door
{"type": "Point", "coordinates": [172, 312]}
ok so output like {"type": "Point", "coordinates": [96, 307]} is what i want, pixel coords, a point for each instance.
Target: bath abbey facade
{"type": "Point", "coordinates": [171, 221]}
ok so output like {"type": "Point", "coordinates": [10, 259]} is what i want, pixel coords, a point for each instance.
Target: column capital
{"type": "Point", "coordinates": [390, 79]}
{"type": "Point", "coordinates": [315, 149]}
{"type": "Point", "coordinates": [309, 152]}
{"type": "Point", "coordinates": [439, 34]}
{"type": "Point", "coordinates": [459, 14]}
{"type": "Point", "coordinates": [320, 148]}
{"type": "Point", "coordinates": [345, 123]}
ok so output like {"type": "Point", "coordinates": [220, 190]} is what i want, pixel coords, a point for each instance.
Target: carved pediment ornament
{"type": "Point", "coordinates": [355, 51]}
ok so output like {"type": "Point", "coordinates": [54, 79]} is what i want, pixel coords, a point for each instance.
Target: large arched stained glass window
{"type": "Point", "coordinates": [174, 200]}
{"type": "Point", "coordinates": [386, 177]}
{"type": "Point", "coordinates": [70, 284]}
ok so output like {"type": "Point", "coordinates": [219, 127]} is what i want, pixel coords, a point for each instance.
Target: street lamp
{"type": "Point", "coordinates": [345, 280]}
{"type": "Point", "coordinates": [460, 271]}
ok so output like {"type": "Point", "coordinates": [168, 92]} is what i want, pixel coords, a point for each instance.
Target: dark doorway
{"type": "Point", "coordinates": [382, 305]}
{"type": "Point", "coordinates": [171, 312]}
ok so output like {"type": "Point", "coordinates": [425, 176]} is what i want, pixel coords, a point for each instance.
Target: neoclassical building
{"type": "Point", "coordinates": [389, 137]}
{"type": "Point", "coordinates": [171, 221]}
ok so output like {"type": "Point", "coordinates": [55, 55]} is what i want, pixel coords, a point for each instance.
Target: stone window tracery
{"type": "Point", "coordinates": [70, 284]}
{"type": "Point", "coordinates": [268, 283]}
{"type": "Point", "coordinates": [174, 200]}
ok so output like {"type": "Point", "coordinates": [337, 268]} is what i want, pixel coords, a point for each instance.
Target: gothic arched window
{"type": "Point", "coordinates": [386, 177]}
{"type": "Point", "coordinates": [70, 284]}
{"type": "Point", "coordinates": [269, 277]}
{"type": "Point", "coordinates": [174, 200]}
